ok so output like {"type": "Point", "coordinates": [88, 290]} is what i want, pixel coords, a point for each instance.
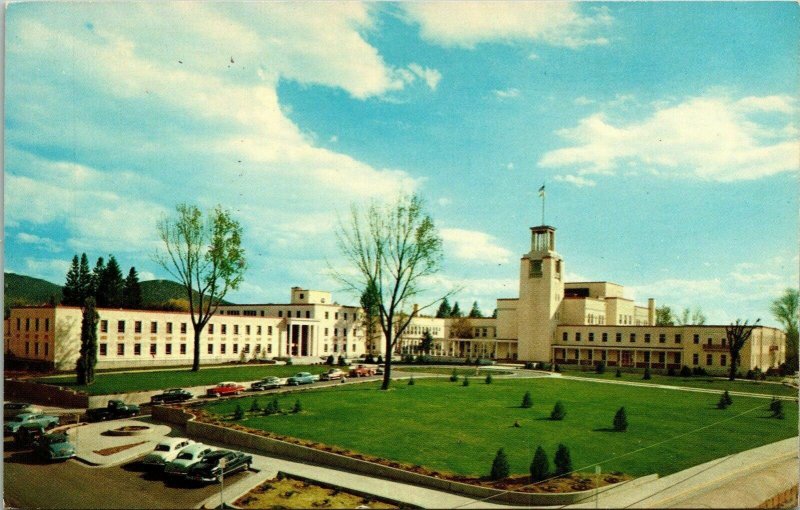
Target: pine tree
{"type": "Point", "coordinates": [96, 286]}
{"type": "Point", "coordinates": [110, 285]}
{"type": "Point", "coordinates": [85, 286]}
{"type": "Point", "coordinates": [559, 412]}
{"type": "Point", "coordinates": [132, 291]}
{"type": "Point", "coordinates": [71, 291]}
{"type": "Point", "coordinates": [500, 467]}
{"type": "Point", "coordinates": [254, 408]}
{"type": "Point", "coordinates": [238, 413]}
{"type": "Point", "coordinates": [722, 404]}
{"type": "Point", "coordinates": [411, 381]}
{"type": "Point", "coordinates": [540, 467]}
{"type": "Point", "coordinates": [444, 309]}
{"type": "Point", "coordinates": [489, 378]}
{"type": "Point", "coordinates": [776, 406]}
{"type": "Point", "coordinates": [466, 381]}
{"type": "Point", "coordinates": [619, 373]}
{"type": "Point", "coordinates": [527, 401]}
{"type": "Point", "coordinates": [621, 420]}
{"type": "Point", "coordinates": [88, 351]}
{"type": "Point", "coordinates": [298, 407]}
{"type": "Point", "coordinates": [454, 376]}
{"type": "Point", "coordinates": [647, 375]}
{"type": "Point", "coordinates": [456, 311]}
{"type": "Point", "coordinates": [475, 313]}
{"type": "Point", "coordinates": [727, 397]}
{"type": "Point", "coordinates": [600, 368]}
{"type": "Point", "coordinates": [562, 460]}
{"type": "Point", "coordinates": [494, 314]}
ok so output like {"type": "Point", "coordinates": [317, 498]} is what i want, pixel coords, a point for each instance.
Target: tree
{"type": "Point", "coordinates": [621, 420]}
{"type": "Point", "coordinates": [238, 413]}
{"type": "Point", "coordinates": [132, 291]}
{"type": "Point", "coordinates": [785, 310]}
{"type": "Point", "coordinates": [527, 401]}
{"type": "Point", "coordinates": [71, 291]}
{"type": "Point", "coordinates": [110, 284]}
{"type": "Point", "coordinates": [562, 460]}
{"type": "Point", "coordinates": [96, 277]}
{"type": "Point", "coordinates": [500, 467]}
{"type": "Point", "coordinates": [691, 317]}
{"type": "Point", "coordinates": [540, 467]}
{"type": "Point", "coordinates": [85, 286]}
{"type": "Point", "coordinates": [88, 352]}
{"type": "Point", "coordinates": [370, 303]}
{"type": "Point", "coordinates": [205, 255]}
{"type": "Point", "coordinates": [475, 313]}
{"type": "Point", "coordinates": [664, 316]}
{"type": "Point", "coordinates": [461, 327]}
{"type": "Point", "coordinates": [647, 375]}
{"type": "Point", "coordinates": [456, 311]}
{"type": "Point", "coordinates": [737, 334]}
{"type": "Point", "coordinates": [600, 368]}
{"type": "Point", "coordinates": [559, 412]}
{"type": "Point", "coordinates": [776, 407]}
{"type": "Point", "coordinates": [494, 314]}
{"type": "Point", "coordinates": [444, 309]}
{"type": "Point", "coordinates": [426, 343]}
{"type": "Point", "coordinates": [395, 248]}
{"type": "Point", "coordinates": [489, 378]}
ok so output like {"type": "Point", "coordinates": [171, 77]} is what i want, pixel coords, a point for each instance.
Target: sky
{"type": "Point", "coordinates": [666, 135]}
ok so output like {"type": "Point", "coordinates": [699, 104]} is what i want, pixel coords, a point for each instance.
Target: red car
{"type": "Point", "coordinates": [362, 371]}
{"type": "Point", "coordinates": [225, 388]}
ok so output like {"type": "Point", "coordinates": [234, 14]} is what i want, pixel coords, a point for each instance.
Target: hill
{"type": "Point", "coordinates": [159, 291]}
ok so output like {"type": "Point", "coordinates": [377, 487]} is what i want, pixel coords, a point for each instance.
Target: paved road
{"type": "Point", "coordinates": [29, 483]}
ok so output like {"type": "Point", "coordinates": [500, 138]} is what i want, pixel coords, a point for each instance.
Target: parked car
{"type": "Point", "coordinates": [113, 410]}
{"type": "Point", "coordinates": [165, 451]}
{"type": "Point", "coordinates": [171, 395]}
{"type": "Point", "coordinates": [54, 447]}
{"type": "Point", "coordinates": [28, 434]}
{"type": "Point", "coordinates": [224, 389]}
{"type": "Point", "coordinates": [46, 421]}
{"type": "Point", "coordinates": [362, 371]}
{"type": "Point", "coordinates": [209, 469]}
{"type": "Point", "coordinates": [300, 378]}
{"type": "Point", "coordinates": [379, 370]}
{"type": "Point", "coordinates": [187, 458]}
{"type": "Point", "coordinates": [266, 383]}
{"type": "Point", "coordinates": [332, 374]}
{"type": "Point", "coordinates": [11, 409]}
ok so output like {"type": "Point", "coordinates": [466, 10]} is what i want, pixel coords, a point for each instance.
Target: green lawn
{"type": "Point", "coordinates": [109, 383]}
{"type": "Point", "coordinates": [448, 427]}
{"type": "Point", "coordinates": [460, 370]}
{"type": "Point", "coordinates": [744, 385]}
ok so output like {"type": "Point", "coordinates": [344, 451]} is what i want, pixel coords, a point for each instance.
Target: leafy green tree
{"type": "Point", "coordinates": [206, 256]}
{"type": "Point", "coordinates": [465, 382]}
{"type": "Point", "coordinates": [456, 311]}
{"type": "Point", "coordinates": [621, 420]}
{"type": "Point", "coordinates": [690, 317]}
{"type": "Point", "coordinates": [559, 412]}
{"type": "Point", "coordinates": [562, 460]}
{"type": "Point", "coordinates": [785, 311]}
{"type": "Point", "coordinates": [132, 291]}
{"type": "Point", "coordinates": [411, 381]}
{"type": "Point", "coordinates": [427, 342]}
{"type": "Point", "coordinates": [618, 373]}
{"type": "Point", "coordinates": [475, 312]}
{"type": "Point", "coordinates": [88, 351]}
{"type": "Point", "coordinates": [527, 400]}
{"type": "Point", "coordinates": [738, 334]}
{"type": "Point", "coordinates": [500, 467]}
{"type": "Point", "coordinates": [444, 309]}
{"type": "Point", "coordinates": [494, 314]}
{"type": "Point", "coordinates": [664, 316]}
{"type": "Point", "coordinates": [540, 467]}
{"type": "Point", "coordinates": [600, 368]}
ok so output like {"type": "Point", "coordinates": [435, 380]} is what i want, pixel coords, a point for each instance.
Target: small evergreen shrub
{"type": "Point", "coordinates": [466, 381]}
{"type": "Point", "coordinates": [298, 407]}
{"type": "Point", "coordinates": [254, 408]}
{"type": "Point", "coordinates": [369, 359]}
{"type": "Point", "coordinates": [269, 409]}
{"type": "Point", "coordinates": [408, 358]}
{"type": "Point", "coordinates": [529, 365]}
{"type": "Point", "coordinates": [329, 361]}
{"type": "Point", "coordinates": [454, 376]}
{"type": "Point", "coordinates": [671, 371]}
{"type": "Point", "coordinates": [621, 420]}
{"type": "Point", "coordinates": [468, 361]}
{"type": "Point", "coordinates": [686, 371]}
{"type": "Point", "coordinates": [380, 359]}
{"type": "Point", "coordinates": [341, 362]}
{"type": "Point", "coordinates": [500, 468]}
{"type": "Point", "coordinates": [727, 397]}
{"type": "Point", "coordinates": [274, 407]}
{"type": "Point", "coordinates": [562, 460]}
{"type": "Point", "coordinates": [488, 378]}
{"type": "Point", "coordinates": [238, 414]}
{"type": "Point", "coordinates": [544, 366]}
{"type": "Point", "coordinates": [289, 361]}
{"type": "Point", "coordinates": [722, 404]}
{"type": "Point", "coordinates": [600, 368]}
{"type": "Point", "coordinates": [619, 373]}
{"type": "Point", "coordinates": [557, 368]}
{"type": "Point", "coordinates": [647, 375]}
{"type": "Point", "coordinates": [559, 412]}
{"type": "Point", "coordinates": [411, 381]}
{"type": "Point", "coordinates": [540, 467]}
{"type": "Point", "coordinates": [776, 406]}
{"type": "Point", "coordinates": [527, 401]}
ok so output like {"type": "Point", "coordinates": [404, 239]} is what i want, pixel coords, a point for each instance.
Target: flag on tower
{"type": "Point", "coordinates": [541, 191]}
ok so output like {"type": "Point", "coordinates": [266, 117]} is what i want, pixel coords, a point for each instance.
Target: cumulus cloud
{"type": "Point", "coordinates": [44, 242]}
{"type": "Point", "coordinates": [708, 138]}
{"type": "Point", "coordinates": [575, 180]}
{"type": "Point", "coordinates": [509, 93]}
{"type": "Point", "coordinates": [431, 77]}
{"type": "Point", "coordinates": [473, 246]}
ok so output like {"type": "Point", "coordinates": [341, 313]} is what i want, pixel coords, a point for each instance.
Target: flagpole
{"type": "Point", "coordinates": [543, 197]}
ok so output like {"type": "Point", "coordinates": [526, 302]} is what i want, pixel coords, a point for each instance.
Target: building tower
{"type": "Point", "coordinates": [541, 289]}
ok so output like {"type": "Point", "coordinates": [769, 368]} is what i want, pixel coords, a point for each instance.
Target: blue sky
{"type": "Point", "coordinates": [666, 134]}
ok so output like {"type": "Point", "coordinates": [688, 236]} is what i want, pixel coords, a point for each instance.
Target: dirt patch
{"type": "Point", "coordinates": [292, 493]}
{"type": "Point", "coordinates": [117, 449]}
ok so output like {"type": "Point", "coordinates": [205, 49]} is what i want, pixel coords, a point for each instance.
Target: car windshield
{"type": "Point", "coordinates": [56, 438]}
{"type": "Point", "coordinates": [17, 418]}
{"type": "Point", "coordinates": [163, 448]}
{"type": "Point", "coordinates": [186, 456]}
{"type": "Point", "coordinates": [14, 406]}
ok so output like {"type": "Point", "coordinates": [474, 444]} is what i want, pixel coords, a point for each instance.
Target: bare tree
{"type": "Point", "coordinates": [738, 334]}
{"type": "Point", "coordinates": [206, 256]}
{"type": "Point", "coordinates": [393, 248]}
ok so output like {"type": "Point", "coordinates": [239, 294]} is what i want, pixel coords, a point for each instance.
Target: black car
{"type": "Point", "coordinates": [171, 395]}
{"type": "Point", "coordinates": [209, 469]}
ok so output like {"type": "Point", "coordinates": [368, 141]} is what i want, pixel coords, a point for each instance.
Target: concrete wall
{"type": "Point", "coordinates": [45, 394]}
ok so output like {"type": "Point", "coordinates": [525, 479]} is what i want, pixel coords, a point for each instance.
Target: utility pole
{"type": "Point", "coordinates": [222, 463]}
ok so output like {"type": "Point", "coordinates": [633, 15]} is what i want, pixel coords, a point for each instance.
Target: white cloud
{"type": "Point", "coordinates": [555, 23]}
{"type": "Point", "coordinates": [44, 242]}
{"type": "Point", "coordinates": [473, 246]}
{"type": "Point", "coordinates": [431, 77]}
{"type": "Point", "coordinates": [509, 93]}
{"type": "Point", "coordinates": [510, 166]}
{"type": "Point", "coordinates": [707, 138]}
{"type": "Point", "coordinates": [52, 270]}
{"type": "Point", "coordinates": [575, 180]}
{"type": "Point", "coordinates": [533, 56]}
{"type": "Point", "coordinates": [781, 104]}
{"type": "Point", "coordinates": [583, 101]}
{"type": "Point", "coordinates": [444, 201]}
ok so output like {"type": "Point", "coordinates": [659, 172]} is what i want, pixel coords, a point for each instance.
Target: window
{"type": "Point", "coordinates": [236, 348]}
{"type": "Point", "coordinates": [308, 314]}
{"type": "Point", "coordinates": [353, 347]}
{"type": "Point", "coordinates": [677, 358]}
{"type": "Point", "coordinates": [591, 337]}
{"type": "Point", "coordinates": [324, 347]}
{"type": "Point", "coordinates": [247, 329]}
{"type": "Point", "coordinates": [710, 341]}
{"type": "Point", "coordinates": [103, 349]}
{"type": "Point", "coordinates": [619, 337]}
{"type": "Point", "coordinates": [335, 347]}
{"type": "Point", "coordinates": [280, 313]}
{"type": "Point", "coordinates": [28, 324]}
{"type": "Point", "coordinates": [696, 339]}
{"type": "Point", "coordinates": [137, 326]}
{"type": "Point", "coordinates": [536, 269]}
{"type": "Point", "coordinates": [695, 359]}
{"type": "Point", "coordinates": [249, 313]}
{"type": "Point", "coordinates": [168, 349]}
{"type": "Point", "coordinates": [297, 314]}
{"type": "Point", "coordinates": [335, 331]}
{"type": "Point", "coordinates": [46, 350]}
{"type": "Point", "coordinates": [104, 326]}
{"type": "Point", "coordinates": [565, 336]}
{"type": "Point", "coordinates": [326, 315]}
{"type": "Point", "coordinates": [709, 359]}
{"type": "Point", "coordinates": [153, 349]}
{"type": "Point", "coordinates": [169, 328]}
{"type": "Point", "coordinates": [223, 329]}
{"type": "Point", "coordinates": [211, 348]}
{"type": "Point", "coordinates": [326, 331]}
{"type": "Point", "coordinates": [662, 357]}
{"type": "Point", "coordinates": [222, 348]}
{"type": "Point", "coordinates": [183, 348]}
{"type": "Point", "coordinates": [27, 348]}
{"type": "Point", "coordinates": [269, 348]}
{"type": "Point", "coordinates": [345, 315]}
{"type": "Point", "coordinates": [183, 328]}
{"type": "Point", "coordinates": [647, 338]}
{"type": "Point", "coordinates": [344, 333]}
{"type": "Point", "coordinates": [633, 337]}
{"type": "Point", "coordinates": [137, 349]}
{"type": "Point", "coordinates": [722, 342]}
{"type": "Point", "coordinates": [36, 324]}
{"type": "Point", "coordinates": [246, 348]}
{"type": "Point", "coordinates": [269, 330]}
{"type": "Point", "coordinates": [662, 338]}
{"type": "Point", "coordinates": [677, 338]}
{"type": "Point", "coordinates": [120, 326]}
{"type": "Point", "coordinates": [577, 337]}
{"type": "Point", "coordinates": [235, 329]}
{"type": "Point", "coordinates": [210, 329]}
{"type": "Point", "coordinates": [18, 324]}
{"type": "Point", "coordinates": [605, 337]}
{"type": "Point", "coordinates": [301, 295]}
{"type": "Point", "coordinates": [120, 349]}
{"type": "Point", "coordinates": [336, 316]}
{"type": "Point", "coordinates": [258, 330]}
{"type": "Point", "coordinates": [723, 360]}
{"type": "Point", "coordinates": [258, 348]}
{"type": "Point", "coordinates": [153, 327]}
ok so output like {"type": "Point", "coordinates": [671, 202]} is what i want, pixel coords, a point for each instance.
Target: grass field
{"type": "Point", "coordinates": [448, 427]}
{"type": "Point", "coordinates": [447, 370]}
{"type": "Point", "coordinates": [706, 382]}
{"type": "Point", "coordinates": [109, 383]}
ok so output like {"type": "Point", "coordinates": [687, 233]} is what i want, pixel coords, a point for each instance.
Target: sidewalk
{"type": "Point", "coordinates": [90, 438]}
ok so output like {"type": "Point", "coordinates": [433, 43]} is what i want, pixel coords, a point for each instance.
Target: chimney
{"type": "Point", "coordinates": [651, 311]}
{"type": "Point", "coordinates": [416, 310]}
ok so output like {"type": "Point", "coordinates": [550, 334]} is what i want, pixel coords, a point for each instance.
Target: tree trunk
{"type": "Point", "coordinates": [196, 362]}
{"type": "Point", "coordinates": [387, 362]}
{"type": "Point", "coordinates": [734, 359]}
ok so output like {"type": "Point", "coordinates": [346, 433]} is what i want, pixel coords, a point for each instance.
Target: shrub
{"type": "Point", "coordinates": [540, 467]}
{"type": "Point", "coordinates": [529, 365]}
{"type": "Point", "coordinates": [776, 406]}
{"type": "Point", "coordinates": [238, 414]}
{"type": "Point", "coordinates": [621, 420]}
{"type": "Point", "coordinates": [562, 460]}
{"type": "Point", "coordinates": [329, 361]}
{"type": "Point", "coordinates": [527, 401]}
{"type": "Point", "coordinates": [559, 412]}
{"type": "Point", "coordinates": [600, 368]}
{"type": "Point", "coordinates": [411, 381]}
{"type": "Point", "coordinates": [750, 375]}
{"type": "Point", "coordinates": [619, 373]}
{"type": "Point", "coordinates": [468, 361]}
{"type": "Point", "coordinates": [671, 371]}
{"type": "Point", "coordinates": [341, 362]}
{"type": "Point", "coordinates": [289, 361]}
{"type": "Point", "coordinates": [466, 381]}
{"type": "Point", "coordinates": [544, 366]}
{"type": "Point", "coordinates": [273, 407]}
{"type": "Point", "coordinates": [722, 404]}
{"type": "Point", "coordinates": [686, 371]}
{"type": "Point", "coordinates": [380, 359]}
{"type": "Point", "coordinates": [488, 378]}
{"type": "Point", "coordinates": [699, 371]}
{"type": "Point", "coordinates": [454, 376]}
{"type": "Point", "coordinates": [408, 358]}
{"type": "Point", "coordinates": [727, 397]}
{"type": "Point", "coordinates": [647, 375]}
{"type": "Point", "coordinates": [500, 466]}
{"type": "Point", "coordinates": [254, 408]}
{"type": "Point", "coordinates": [298, 407]}
{"type": "Point", "coordinates": [556, 368]}
{"type": "Point", "coordinates": [369, 359]}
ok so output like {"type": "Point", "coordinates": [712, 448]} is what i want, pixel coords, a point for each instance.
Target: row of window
{"type": "Point", "coordinates": [137, 349]}
{"type": "Point", "coordinates": [36, 323]}
{"type": "Point", "coordinates": [661, 357]}
{"type": "Point", "coordinates": [481, 332]}
{"type": "Point", "coordinates": [137, 328]}
{"type": "Point", "coordinates": [723, 359]}
{"type": "Point", "coordinates": [36, 349]}
{"type": "Point", "coordinates": [662, 338]}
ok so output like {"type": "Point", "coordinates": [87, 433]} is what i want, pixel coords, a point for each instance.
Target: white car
{"type": "Point", "coordinates": [187, 457]}
{"type": "Point", "coordinates": [166, 451]}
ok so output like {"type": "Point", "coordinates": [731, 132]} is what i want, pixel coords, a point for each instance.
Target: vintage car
{"type": "Point", "coordinates": [217, 464]}
{"type": "Point", "coordinates": [11, 409]}
{"type": "Point", "coordinates": [171, 395]}
{"type": "Point", "coordinates": [266, 383]}
{"type": "Point", "coordinates": [332, 374]}
{"type": "Point", "coordinates": [300, 378]}
{"type": "Point", "coordinates": [187, 458]}
{"type": "Point", "coordinates": [113, 410]}
{"type": "Point", "coordinates": [165, 451]}
{"type": "Point", "coordinates": [46, 421]}
{"type": "Point", "coordinates": [54, 447]}
{"type": "Point", "coordinates": [28, 434]}
{"type": "Point", "coordinates": [224, 389]}
{"type": "Point", "coordinates": [362, 371]}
